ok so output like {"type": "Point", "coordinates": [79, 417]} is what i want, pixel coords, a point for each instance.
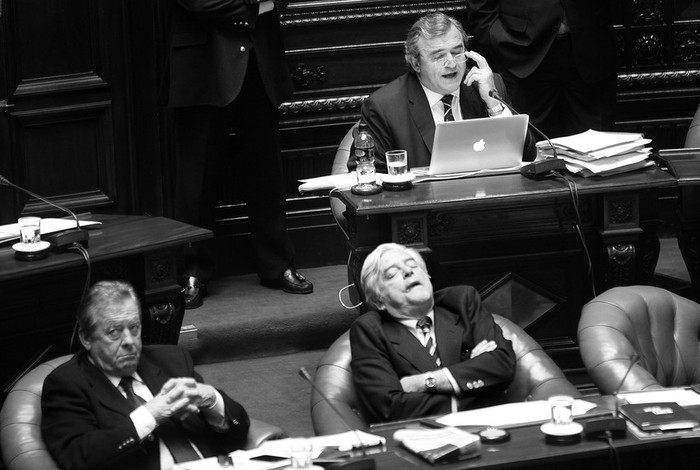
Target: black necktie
{"type": "Point", "coordinates": [447, 106]}
{"type": "Point", "coordinates": [173, 436]}
{"type": "Point", "coordinates": [424, 325]}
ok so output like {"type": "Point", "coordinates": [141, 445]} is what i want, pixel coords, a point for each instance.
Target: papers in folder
{"type": "Point", "coordinates": [438, 445]}
{"type": "Point", "coordinates": [595, 153]}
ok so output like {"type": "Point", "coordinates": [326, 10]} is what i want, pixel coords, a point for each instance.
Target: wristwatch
{"type": "Point", "coordinates": [430, 382]}
{"type": "Point", "coordinates": [498, 109]}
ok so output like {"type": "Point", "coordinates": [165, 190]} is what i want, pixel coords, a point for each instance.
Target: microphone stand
{"type": "Point", "coordinates": [365, 463]}
{"type": "Point", "coordinates": [66, 238]}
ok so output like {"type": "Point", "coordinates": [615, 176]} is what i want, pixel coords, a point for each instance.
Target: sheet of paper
{"type": "Point", "coordinates": [281, 447]}
{"type": "Point", "coordinates": [510, 414]}
{"type": "Point", "coordinates": [48, 225]}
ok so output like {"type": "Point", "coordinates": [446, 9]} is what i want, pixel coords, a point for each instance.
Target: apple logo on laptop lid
{"type": "Point", "coordinates": [479, 145]}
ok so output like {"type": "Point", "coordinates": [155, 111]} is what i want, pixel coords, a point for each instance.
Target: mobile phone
{"type": "Point", "coordinates": [695, 388]}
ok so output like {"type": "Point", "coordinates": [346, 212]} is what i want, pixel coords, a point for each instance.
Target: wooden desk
{"type": "Point", "coordinates": [40, 298]}
{"type": "Point", "coordinates": [527, 448]}
{"type": "Point", "coordinates": [514, 239]}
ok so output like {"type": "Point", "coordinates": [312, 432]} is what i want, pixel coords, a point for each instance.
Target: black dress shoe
{"type": "Point", "coordinates": [194, 292]}
{"type": "Point", "coordinates": [291, 282]}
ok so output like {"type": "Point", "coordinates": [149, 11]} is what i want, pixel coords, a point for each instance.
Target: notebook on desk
{"type": "Point", "coordinates": [478, 146]}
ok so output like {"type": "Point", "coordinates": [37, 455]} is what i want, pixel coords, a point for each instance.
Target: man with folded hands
{"type": "Point", "coordinates": [423, 353]}
{"type": "Point", "coordinates": [118, 405]}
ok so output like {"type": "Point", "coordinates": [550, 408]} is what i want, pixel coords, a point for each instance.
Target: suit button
{"type": "Point", "coordinates": [246, 24]}
{"type": "Point", "coordinates": [243, 49]}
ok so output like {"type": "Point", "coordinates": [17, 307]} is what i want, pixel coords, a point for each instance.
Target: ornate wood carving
{"type": "Point", "coordinates": [325, 104]}
{"type": "Point", "coordinates": [438, 223]}
{"type": "Point", "coordinates": [410, 230]}
{"type": "Point", "coordinates": [647, 12]}
{"type": "Point", "coordinates": [686, 46]}
{"type": "Point", "coordinates": [304, 75]}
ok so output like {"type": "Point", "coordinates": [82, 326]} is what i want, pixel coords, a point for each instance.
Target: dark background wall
{"type": "Point", "coordinates": [82, 124]}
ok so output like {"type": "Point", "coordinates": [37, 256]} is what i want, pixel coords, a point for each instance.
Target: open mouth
{"type": "Point", "coordinates": [450, 75]}
{"type": "Point", "coordinates": [412, 285]}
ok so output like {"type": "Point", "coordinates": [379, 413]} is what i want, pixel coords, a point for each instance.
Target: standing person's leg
{"type": "Point", "coordinates": [257, 125]}
{"type": "Point", "coordinates": [199, 134]}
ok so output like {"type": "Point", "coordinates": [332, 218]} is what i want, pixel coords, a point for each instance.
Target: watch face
{"type": "Point", "coordinates": [430, 382]}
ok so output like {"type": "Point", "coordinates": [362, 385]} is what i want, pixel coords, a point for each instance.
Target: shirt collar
{"type": "Point", "coordinates": [410, 323]}
{"type": "Point", "coordinates": [434, 98]}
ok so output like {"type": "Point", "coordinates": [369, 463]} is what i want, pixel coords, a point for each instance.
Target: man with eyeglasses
{"type": "Point", "coordinates": [445, 81]}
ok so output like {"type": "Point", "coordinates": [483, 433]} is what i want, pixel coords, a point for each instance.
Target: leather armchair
{"type": "Point", "coordinates": [23, 447]}
{"type": "Point", "coordinates": [692, 138]}
{"type": "Point", "coordinates": [658, 326]}
{"type": "Point", "coordinates": [537, 377]}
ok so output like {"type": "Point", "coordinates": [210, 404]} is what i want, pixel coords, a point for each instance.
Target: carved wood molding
{"type": "Point", "coordinates": [365, 13]}
{"type": "Point", "coordinates": [666, 78]}
{"type": "Point", "coordinates": [322, 105]}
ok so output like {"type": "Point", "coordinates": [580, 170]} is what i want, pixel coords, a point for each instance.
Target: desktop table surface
{"type": "Point", "coordinates": [116, 236]}
{"type": "Point", "coordinates": [499, 189]}
{"type": "Point", "coordinates": [527, 447]}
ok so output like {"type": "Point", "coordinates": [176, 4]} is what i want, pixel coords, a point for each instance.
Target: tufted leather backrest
{"type": "Point", "coordinates": [658, 326]}
{"type": "Point", "coordinates": [537, 377]}
{"type": "Point", "coordinates": [23, 446]}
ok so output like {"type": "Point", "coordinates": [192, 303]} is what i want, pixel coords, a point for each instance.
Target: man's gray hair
{"type": "Point", "coordinates": [370, 276]}
{"type": "Point", "coordinates": [429, 26]}
{"type": "Point", "coordinates": [101, 294]}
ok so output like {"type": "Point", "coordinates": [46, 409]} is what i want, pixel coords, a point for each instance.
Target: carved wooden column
{"type": "Point", "coordinates": [631, 253]}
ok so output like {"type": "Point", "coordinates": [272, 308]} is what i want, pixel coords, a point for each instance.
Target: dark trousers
{"type": "Point", "coordinates": [201, 139]}
{"type": "Point", "coordinates": [557, 100]}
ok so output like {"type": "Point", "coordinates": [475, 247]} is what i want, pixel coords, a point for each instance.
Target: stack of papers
{"type": "Point", "coordinates": [595, 153]}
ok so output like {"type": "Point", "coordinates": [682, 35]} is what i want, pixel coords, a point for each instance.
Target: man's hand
{"type": "Point", "coordinates": [483, 76]}
{"type": "Point", "coordinates": [483, 347]}
{"type": "Point", "coordinates": [179, 396]}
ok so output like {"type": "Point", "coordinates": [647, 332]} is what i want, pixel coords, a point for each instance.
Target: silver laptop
{"type": "Point", "coordinates": [482, 146]}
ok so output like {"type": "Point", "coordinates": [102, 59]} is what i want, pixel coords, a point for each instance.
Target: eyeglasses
{"type": "Point", "coordinates": [444, 60]}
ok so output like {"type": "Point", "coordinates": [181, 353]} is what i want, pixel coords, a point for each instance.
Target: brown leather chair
{"type": "Point", "coordinates": [657, 326]}
{"type": "Point", "coordinates": [23, 447]}
{"type": "Point", "coordinates": [537, 377]}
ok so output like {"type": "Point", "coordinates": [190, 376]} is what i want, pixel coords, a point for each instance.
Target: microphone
{"type": "Point", "coordinates": [365, 463]}
{"type": "Point", "coordinates": [541, 167]}
{"type": "Point", "coordinates": [66, 238]}
{"type": "Point", "coordinates": [615, 425]}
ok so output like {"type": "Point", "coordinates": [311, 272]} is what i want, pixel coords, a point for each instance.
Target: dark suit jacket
{"type": "Point", "coordinates": [399, 117]}
{"type": "Point", "coordinates": [209, 50]}
{"type": "Point", "coordinates": [521, 32]}
{"type": "Point", "coordinates": [384, 351]}
{"type": "Point", "coordinates": [85, 419]}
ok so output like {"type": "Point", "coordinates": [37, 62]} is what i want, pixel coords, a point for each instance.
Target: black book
{"type": "Point", "coordinates": [659, 416]}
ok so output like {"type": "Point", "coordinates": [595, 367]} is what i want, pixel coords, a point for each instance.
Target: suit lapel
{"type": "Point", "coordinates": [152, 375]}
{"type": "Point", "coordinates": [449, 336]}
{"type": "Point", "coordinates": [109, 396]}
{"type": "Point", "coordinates": [420, 111]}
{"type": "Point", "coordinates": [408, 346]}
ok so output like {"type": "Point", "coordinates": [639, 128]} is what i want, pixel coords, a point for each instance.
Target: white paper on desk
{"type": "Point", "coordinates": [326, 183]}
{"type": "Point", "coordinates": [510, 414]}
{"type": "Point", "coordinates": [343, 442]}
{"type": "Point", "coordinates": [591, 141]}
{"type": "Point", "coordinates": [682, 396]}
{"type": "Point", "coordinates": [10, 231]}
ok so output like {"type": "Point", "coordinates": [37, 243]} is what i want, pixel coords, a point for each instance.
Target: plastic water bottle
{"type": "Point", "coordinates": [364, 156]}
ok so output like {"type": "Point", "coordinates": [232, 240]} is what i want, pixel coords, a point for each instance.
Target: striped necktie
{"type": "Point", "coordinates": [447, 106]}
{"type": "Point", "coordinates": [171, 433]}
{"type": "Point", "coordinates": [424, 325]}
